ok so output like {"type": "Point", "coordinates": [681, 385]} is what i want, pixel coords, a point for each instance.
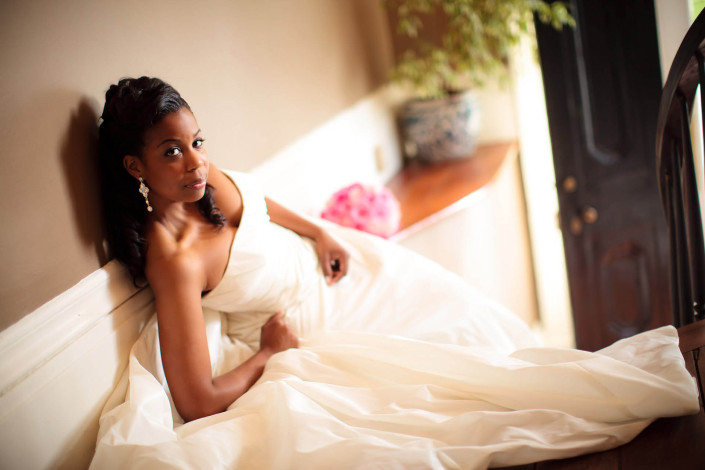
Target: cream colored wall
{"type": "Point", "coordinates": [486, 243]}
{"type": "Point", "coordinates": [258, 75]}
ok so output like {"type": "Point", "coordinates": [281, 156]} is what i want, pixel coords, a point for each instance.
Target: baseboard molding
{"type": "Point", "coordinates": [41, 335]}
{"type": "Point", "coordinates": [59, 365]}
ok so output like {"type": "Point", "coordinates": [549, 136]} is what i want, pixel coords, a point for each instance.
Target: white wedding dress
{"type": "Point", "coordinates": [401, 365]}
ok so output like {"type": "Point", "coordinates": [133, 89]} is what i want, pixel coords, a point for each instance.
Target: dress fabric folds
{"type": "Point", "coordinates": [401, 365]}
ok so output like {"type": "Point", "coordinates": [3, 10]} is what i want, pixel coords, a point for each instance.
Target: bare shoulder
{"type": "Point", "coordinates": [219, 180]}
{"type": "Point", "coordinates": [227, 197]}
{"type": "Point", "coordinates": [170, 267]}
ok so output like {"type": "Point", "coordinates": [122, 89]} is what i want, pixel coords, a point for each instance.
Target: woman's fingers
{"type": "Point", "coordinates": [343, 264]}
{"type": "Point", "coordinates": [276, 335]}
{"type": "Point", "coordinates": [339, 267]}
{"type": "Point", "coordinates": [276, 317]}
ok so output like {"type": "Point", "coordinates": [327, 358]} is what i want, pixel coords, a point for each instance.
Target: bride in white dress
{"type": "Point", "coordinates": [283, 343]}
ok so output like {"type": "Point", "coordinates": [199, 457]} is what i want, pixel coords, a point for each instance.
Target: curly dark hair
{"type": "Point", "coordinates": [132, 107]}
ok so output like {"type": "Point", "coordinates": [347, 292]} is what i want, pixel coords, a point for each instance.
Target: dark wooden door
{"type": "Point", "coordinates": [603, 84]}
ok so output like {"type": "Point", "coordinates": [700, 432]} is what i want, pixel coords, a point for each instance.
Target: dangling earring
{"type": "Point", "coordinates": [144, 191]}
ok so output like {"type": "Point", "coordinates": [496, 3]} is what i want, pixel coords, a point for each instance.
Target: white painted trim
{"type": "Point", "coordinates": [59, 365]}
{"type": "Point", "coordinates": [53, 327]}
{"type": "Point", "coordinates": [463, 203]}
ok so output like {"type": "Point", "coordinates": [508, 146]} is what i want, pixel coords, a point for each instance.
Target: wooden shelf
{"type": "Point", "coordinates": [429, 192]}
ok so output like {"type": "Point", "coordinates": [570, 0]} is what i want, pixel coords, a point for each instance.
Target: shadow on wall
{"type": "Point", "coordinates": [376, 40]}
{"type": "Point", "coordinates": [79, 159]}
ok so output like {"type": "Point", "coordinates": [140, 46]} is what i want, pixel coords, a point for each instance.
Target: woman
{"type": "Point", "coordinates": [172, 218]}
{"type": "Point", "coordinates": [401, 364]}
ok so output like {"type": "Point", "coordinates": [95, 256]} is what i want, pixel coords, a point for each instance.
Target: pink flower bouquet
{"type": "Point", "coordinates": [372, 210]}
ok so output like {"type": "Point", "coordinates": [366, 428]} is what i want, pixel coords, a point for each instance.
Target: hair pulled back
{"type": "Point", "coordinates": [132, 107]}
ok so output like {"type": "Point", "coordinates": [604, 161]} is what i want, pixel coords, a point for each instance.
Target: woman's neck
{"type": "Point", "coordinates": [180, 219]}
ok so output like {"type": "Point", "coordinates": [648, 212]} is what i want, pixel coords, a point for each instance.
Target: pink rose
{"type": "Point", "coordinates": [371, 209]}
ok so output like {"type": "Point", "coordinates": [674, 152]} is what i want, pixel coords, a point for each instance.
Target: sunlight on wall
{"type": "Point", "coordinates": [696, 124]}
{"type": "Point", "coordinates": [359, 145]}
{"type": "Point", "coordinates": [556, 326]}
{"type": "Point", "coordinates": [672, 22]}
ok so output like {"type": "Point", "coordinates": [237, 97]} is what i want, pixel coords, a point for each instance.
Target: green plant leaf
{"type": "Point", "coordinates": [477, 44]}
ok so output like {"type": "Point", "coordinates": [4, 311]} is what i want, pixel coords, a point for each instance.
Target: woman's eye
{"type": "Point", "coordinates": [198, 143]}
{"type": "Point", "coordinates": [173, 152]}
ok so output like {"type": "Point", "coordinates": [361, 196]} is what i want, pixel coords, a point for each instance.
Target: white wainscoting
{"type": "Point", "coordinates": [59, 364]}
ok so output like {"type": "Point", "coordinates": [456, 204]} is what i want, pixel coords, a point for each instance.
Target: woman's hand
{"type": "Point", "coordinates": [276, 335]}
{"type": "Point", "coordinates": [332, 256]}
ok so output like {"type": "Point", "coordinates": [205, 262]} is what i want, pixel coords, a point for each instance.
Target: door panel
{"type": "Point", "coordinates": [602, 83]}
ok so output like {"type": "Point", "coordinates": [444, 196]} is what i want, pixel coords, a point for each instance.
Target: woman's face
{"type": "Point", "coordinates": [174, 164]}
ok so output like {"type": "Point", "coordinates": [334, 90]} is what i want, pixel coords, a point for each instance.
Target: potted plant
{"type": "Point", "coordinates": [469, 43]}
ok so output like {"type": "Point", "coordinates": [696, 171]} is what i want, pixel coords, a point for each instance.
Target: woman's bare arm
{"type": "Point", "coordinates": [332, 257]}
{"type": "Point", "coordinates": [177, 285]}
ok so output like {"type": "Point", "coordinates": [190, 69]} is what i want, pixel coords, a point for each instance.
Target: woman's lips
{"type": "Point", "coordinates": [196, 185]}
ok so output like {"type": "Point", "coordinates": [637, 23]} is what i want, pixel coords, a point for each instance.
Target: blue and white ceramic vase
{"type": "Point", "coordinates": [441, 129]}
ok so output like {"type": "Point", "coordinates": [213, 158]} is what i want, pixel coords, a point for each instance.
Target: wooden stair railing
{"type": "Point", "coordinates": [676, 176]}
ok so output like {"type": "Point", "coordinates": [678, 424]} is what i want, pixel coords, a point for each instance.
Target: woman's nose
{"type": "Point", "coordinates": [193, 160]}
